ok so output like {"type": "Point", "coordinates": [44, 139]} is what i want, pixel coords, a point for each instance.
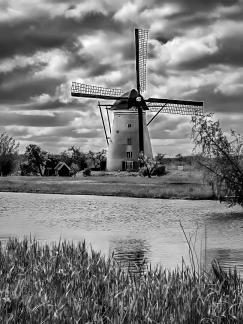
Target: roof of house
{"type": "Point", "coordinates": [60, 165]}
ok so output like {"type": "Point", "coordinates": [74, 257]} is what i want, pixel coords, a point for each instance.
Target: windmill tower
{"type": "Point", "coordinates": [129, 134]}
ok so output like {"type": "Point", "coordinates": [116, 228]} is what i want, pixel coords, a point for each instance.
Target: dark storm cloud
{"type": "Point", "coordinates": [198, 5]}
{"type": "Point", "coordinates": [229, 52]}
{"type": "Point", "coordinates": [218, 101]}
{"type": "Point", "coordinates": [18, 84]}
{"type": "Point", "coordinates": [16, 73]}
{"type": "Point", "coordinates": [24, 89]}
{"type": "Point", "coordinates": [27, 37]}
{"type": "Point", "coordinates": [87, 62]}
{"type": "Point", "coordinates": [194, 14]}
{"type": "Point", "coordinates": [45, 32]}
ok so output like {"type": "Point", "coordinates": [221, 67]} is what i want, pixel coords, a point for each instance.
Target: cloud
{"type": "Point", "coordinates": [195, 52]}
{"type": "Point", "coordinates": [127, 12]}
{"type": "Point", "coordinates": [54, 120]}
{"type": "Point", "coordinates": [26, 89]}
{"type": "Point", "coordinates": [166, 126]}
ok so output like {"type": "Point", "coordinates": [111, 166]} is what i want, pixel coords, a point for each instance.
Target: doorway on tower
{"type": "Point", "coordinates": [129, 166]}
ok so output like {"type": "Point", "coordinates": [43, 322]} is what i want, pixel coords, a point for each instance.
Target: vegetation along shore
{"type": "Point", "coordinates": [176, 184]}
{"type": "Point", "coordinates": [65, 284]}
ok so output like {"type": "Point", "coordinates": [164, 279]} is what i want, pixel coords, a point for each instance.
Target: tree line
{"type": "Point", "coordinates": [36, 161]}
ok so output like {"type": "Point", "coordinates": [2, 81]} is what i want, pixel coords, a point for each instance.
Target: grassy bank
{"type": "Point", "coordinates": [175, 185]}
{"type": "Point", "coordinates": [65, 284]}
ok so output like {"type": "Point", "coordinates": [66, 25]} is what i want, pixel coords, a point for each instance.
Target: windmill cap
{"type": "Point", "coordinates": [130, 100]}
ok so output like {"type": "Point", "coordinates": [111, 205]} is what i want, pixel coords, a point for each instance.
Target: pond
{"type": "Point", "coordinates": [136, 231]}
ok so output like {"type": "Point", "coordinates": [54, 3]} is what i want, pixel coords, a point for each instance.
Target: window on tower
{"type": "Point", "coordinates": [129, 155]}
{"type": "Point", "coordinates": [129, 141]}
{"type": "Point", "coordinates": [129, 125]}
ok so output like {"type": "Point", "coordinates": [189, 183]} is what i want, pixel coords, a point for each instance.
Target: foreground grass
{"type": "Point", "coordinates": [66, 284]}
{"type": "Point", "coordinates": [177, 185]}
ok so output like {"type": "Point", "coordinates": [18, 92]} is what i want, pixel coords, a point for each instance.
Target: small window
{"type": "Point", "coordinates": [117, 131]}
{"type": "Point", "coordinates": [129, 125]}
{"type": "Point", "coordinates": [129, 155]}
{"type": "Point", "coordinates": [129, 141]}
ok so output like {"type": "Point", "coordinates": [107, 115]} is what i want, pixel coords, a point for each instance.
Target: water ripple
{"type": "Point", "coordinates": [136, 230]}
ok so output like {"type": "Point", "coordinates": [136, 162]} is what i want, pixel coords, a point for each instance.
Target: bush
{"type": "Point", "coordinates": [143, 172]}
{"type": "Point", "coordinates": [26, 169]}
{"type": "Point", "coordinates": [159, 170]}
{"type": "Point", "coordinates": [8, 164]}
{"type": "Point", "coordinates": [8, 154]}
{"type": "Point", "coordinates": [87, 172]}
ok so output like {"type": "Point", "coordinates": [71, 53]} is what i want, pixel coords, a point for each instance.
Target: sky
{"type": "Point", "coordinates": [194, 52]}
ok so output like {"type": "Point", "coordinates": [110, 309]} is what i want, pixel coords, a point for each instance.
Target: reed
{"type": "Point", "coordinates": [64, 283]}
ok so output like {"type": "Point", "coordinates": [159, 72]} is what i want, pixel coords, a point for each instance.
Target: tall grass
{"type": "Point", "coordinates": [65, 284]}
{"type": "Point", "coordinates": [156, 187]}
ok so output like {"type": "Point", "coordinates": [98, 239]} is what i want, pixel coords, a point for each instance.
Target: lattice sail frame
{"type": "Point", "coordinates": [86, 90]}
{"type": "Point", "coordinates": [177, 109]}
{"type": "Point", "coordinates": [142, 57]}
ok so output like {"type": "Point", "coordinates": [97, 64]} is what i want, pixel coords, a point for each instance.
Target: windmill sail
{"type": "Point", "coordinates": [173, 106]}
{"type": "Point", "coordinates": [176, 101]}
{"type": "Point", "coordinates": [141, 41]}
{"type": "Point", "coordinates": [176, 109]}
{"type": "Point", "coordinates": [91, 91]}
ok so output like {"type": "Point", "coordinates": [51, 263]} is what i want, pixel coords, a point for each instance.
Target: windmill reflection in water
{"type": "Point", "coordinates": [131, 254]}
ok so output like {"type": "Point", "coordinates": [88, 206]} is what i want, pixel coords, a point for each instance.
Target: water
{"type": "Point", "coordinates": [137, 231]}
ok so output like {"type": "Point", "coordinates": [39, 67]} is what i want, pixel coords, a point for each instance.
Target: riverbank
{"type": "Point", "coordinates": [64, 283]}
{"type": "Point", "coordinates": [177, 185]}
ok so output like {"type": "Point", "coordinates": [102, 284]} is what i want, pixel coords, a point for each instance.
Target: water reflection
{"type": "Point", "coordinates": [227, 258]}
{"type": "Point", "coordinates": [132, 254]}
{"type": "Point", "coordinates": [137, 230]}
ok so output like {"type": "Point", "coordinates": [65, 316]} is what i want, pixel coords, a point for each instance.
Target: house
{"type": "Point", "coordinates": [62, 170]}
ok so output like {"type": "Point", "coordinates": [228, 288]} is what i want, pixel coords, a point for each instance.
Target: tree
{"type": "Point", "coordinates": [179, 157]}
{"type": "Point", "coordinates": [159, 158]}
{"type": "Point", "coordinates": [100, 160]}
{"type": "Point", "coordinates": [147, 165]}
{"type": "Point", "coordinates": [26, 169]}
{"type": "Point", "coordinates": [8, 154]}
{"type": "Point", "coordinates": [36, 158]}
{"type": "Point", "coordinates": [51, 162]}
{"type": "Point", "coordinates": [78, 157]}
{"type": "Point", "coordinates": [222, 156]}
{"type": "Point", "coordinates": [96, 160]}
{"type": "Point", "coordinates": [74, 169]}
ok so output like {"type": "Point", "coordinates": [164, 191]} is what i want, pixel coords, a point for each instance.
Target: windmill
{"type": "Point", "coordinates": [129, 134]}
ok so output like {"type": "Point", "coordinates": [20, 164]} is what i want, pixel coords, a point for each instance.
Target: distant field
{"type": "Point", "coordinates": [176, 184]}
